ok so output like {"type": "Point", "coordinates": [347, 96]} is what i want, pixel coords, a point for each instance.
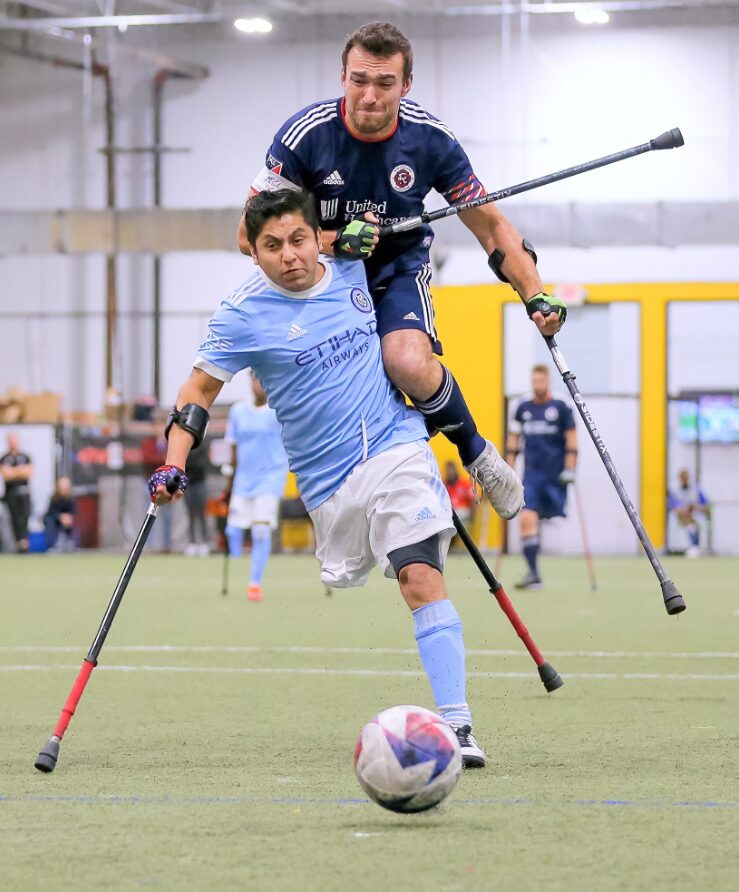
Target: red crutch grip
{"type": "Point", "coordinates": [74, 698]}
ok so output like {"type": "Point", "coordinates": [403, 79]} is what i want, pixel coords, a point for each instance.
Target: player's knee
{"type": "Point", "coordinates": [410, 363]}
{"type": "Point", "coordinates": [418, 569]}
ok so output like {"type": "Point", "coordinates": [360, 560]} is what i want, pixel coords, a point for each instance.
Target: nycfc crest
{"type": "Point", "coordinates": [361, 301]}
{"type": "Point", "coordinates": [402, 178]}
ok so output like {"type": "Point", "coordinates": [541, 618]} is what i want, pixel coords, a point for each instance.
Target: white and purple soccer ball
{"type": "Point", "coordinates": [407, 759]}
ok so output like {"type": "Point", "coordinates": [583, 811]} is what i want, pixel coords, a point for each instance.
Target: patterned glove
{"type": "Point", "coordinates": [169, 476]}
{"type": "Point", "coordinates": [567, 476]}
{"type": "Point", "coordinates": [545, 304]}
{"type": "Point", "coordinates": [355, 241]}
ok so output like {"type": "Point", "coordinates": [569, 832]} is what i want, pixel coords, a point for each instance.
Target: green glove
{"type": "Point", "coordinates": [355, 241]}
{"type": "Point", "coordinates": [545, 304]}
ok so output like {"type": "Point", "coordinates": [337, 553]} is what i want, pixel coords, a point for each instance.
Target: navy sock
{"type": "Point", "coordinates": [447, 412]}
{"type": "Point", "coordinates": [531, 552]}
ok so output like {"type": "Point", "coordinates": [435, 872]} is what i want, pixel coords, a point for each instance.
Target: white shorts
{"type": "Point", "coordinates": [395, 499]}
{"type": "Point", "coordinates": [244, 513]}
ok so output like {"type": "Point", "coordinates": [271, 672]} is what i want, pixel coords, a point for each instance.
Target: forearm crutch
{"type": "Point", "coordinates": [47, 758]}
{"type": "Point", "coordinates": [549, 676]}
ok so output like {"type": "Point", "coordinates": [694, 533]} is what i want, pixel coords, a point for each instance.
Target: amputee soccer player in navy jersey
{"type": "Point", "coordinates": [547, 427]}
{"type": "Point", "coordinates": [376, 155]}
{"type": "Point", "coordinates": [308, 330]}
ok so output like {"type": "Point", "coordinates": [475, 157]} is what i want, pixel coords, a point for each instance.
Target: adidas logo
{"type": "Point", "coordinates": [412, 316]}
{"type": "Point", "coordinates": [425, 514]}
{"type": "Point", "coordinates": [334, 179]}
{"type": "Point", "coordinates": [295, 331]}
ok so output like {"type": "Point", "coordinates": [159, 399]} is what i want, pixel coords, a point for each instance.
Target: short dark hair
{"type": "Point", "coordinates": [384, 40]}
{"type": "Point", "coordinates": [265, 205]}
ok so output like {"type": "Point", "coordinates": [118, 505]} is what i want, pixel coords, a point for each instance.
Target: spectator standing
{"type": "Point", "coordinates": [196, 497]}
{"type": "Point", "coordinates": [17, 469]}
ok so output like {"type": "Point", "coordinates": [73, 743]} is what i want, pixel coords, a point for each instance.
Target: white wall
{"type": "Point", "coordinates": [571, 94]}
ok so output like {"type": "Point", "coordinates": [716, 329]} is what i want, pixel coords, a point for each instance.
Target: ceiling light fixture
{"type": "Point", "coordinates": [590, 16]}
{"type": "Point", "coordinates": [253, 26]}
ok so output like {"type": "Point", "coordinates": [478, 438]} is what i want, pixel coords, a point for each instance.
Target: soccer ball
{"type": "Point", "coordinates": [407, 759]}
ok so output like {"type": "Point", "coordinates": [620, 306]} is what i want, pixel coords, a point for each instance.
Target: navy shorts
{"type": "Point", "coordinates": [405, 302]}
{"type": "Point", "coordinates": [545, 495]}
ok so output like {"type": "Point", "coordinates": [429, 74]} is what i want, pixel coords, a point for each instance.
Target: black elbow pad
{"type": "Point", "coordinates": [495, 260]}
{"type": "Point", "coordinates": [191, 418]}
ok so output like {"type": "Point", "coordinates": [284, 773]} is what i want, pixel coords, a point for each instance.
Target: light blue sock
{"type": "Point", "coordinates": [261, 546]}
{"type": "Point", "coordinates": [441, 647]}
{"type": "Point", "coordinates": [235, 536]}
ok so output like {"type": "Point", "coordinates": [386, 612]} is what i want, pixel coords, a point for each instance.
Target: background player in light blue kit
{"type": "Point", "coordinates": [360, 454]}
{"type": "Point", "coordinates": [260, 470]}
{"type": "Point", "coordinates": [376, 153]}
{"type": "Point", "coordinates": [547, 426]}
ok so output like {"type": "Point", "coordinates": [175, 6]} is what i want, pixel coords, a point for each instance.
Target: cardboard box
{"type": "Point", "coordinates": [11, 413]}
{"type": "Point", "coordinates": [41, 408]}
{"type": "Point", "coordinates": [82, 419]}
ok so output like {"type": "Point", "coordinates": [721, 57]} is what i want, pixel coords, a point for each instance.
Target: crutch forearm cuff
{"type": "Point", "coordinates": [191, 418]}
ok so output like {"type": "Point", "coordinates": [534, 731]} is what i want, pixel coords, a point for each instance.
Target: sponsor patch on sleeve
{"type": "Point", "coordinates": [269, 181]}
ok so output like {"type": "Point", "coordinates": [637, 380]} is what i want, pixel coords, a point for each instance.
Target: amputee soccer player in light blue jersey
{"type": "Point", "coordinates": [363, 464]}
{"type": "Point", "coordinates": [260, 471]}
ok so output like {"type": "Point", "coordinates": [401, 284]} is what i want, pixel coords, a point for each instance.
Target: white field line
{"type": "Point", "coordinates": [390, 673]}
{"type": "Point", "coordinates": [365, 651]}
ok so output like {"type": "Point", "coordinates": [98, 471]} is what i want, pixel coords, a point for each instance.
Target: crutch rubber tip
{"type": "Point", "coordinates": [551, 679]}
{"type": "Point", "coordinates": [673, 599]}
{"type": "Point", "coordinates": [46, 760]}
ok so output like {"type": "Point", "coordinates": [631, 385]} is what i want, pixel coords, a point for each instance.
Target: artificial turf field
{"type": "Point", "coordinates": [213, 746]}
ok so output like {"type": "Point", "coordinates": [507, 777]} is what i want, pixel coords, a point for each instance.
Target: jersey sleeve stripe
{"type": "Point", "coordinates": [215, 371]}
{"type": "Point", "coordinates": [417, 115]}
{"type": "Point", "coordinates": [296, 140]}
{"type": "Point", "coordinates": [309, 115]}
{"type": "Point", "coordinates": [467, 190]}
{"type": "Point", "coordinates": [297, 136]}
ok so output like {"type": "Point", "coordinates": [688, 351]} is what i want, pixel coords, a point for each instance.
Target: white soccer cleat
{"type": "Point", "coordinates": [499, 482]}
{"type": "Point", "coordinates": [473, 756]}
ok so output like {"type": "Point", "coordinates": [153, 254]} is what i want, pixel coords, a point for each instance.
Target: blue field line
{"type": "Point", "coordinates": [304, 801]}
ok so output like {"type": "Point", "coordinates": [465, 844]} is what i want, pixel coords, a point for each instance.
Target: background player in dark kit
{"type": "Point", "coordinates": [547, 427]}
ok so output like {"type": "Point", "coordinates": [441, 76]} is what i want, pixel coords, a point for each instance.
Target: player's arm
{"type": "Point", "coordinates": [512, 447]}
{"type": "Point", "coordinates": [200, 390]}
{"type": "Point", "coordinates": [496, 233]}
{"type": "Point", "coordinates": [567, 474]}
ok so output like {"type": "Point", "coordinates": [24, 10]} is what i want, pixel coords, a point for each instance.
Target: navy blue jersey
{"type": "Point", "coordinates": [543, 426]}
{"type": "Point", "coordinates": [349, 176]}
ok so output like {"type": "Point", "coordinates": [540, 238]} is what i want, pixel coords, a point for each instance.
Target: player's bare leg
{"type": "Point", "coordinates": [411, 365]}
{"type": "Point", "coordinates": [441, 648]}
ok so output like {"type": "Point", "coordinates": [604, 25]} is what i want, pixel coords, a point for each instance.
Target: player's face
{"type": "Point", "coordinates": [540, 385]}
{"type": "Point", "coordinates": [373, 87]}
{"type": "Point", "coordinates": [287, 251]}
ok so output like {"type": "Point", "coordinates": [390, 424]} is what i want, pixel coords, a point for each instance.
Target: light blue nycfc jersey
{"type": "Point", "coordinates": [318, 356]}
{"type": "Point", "coordinates": [261, 462]}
